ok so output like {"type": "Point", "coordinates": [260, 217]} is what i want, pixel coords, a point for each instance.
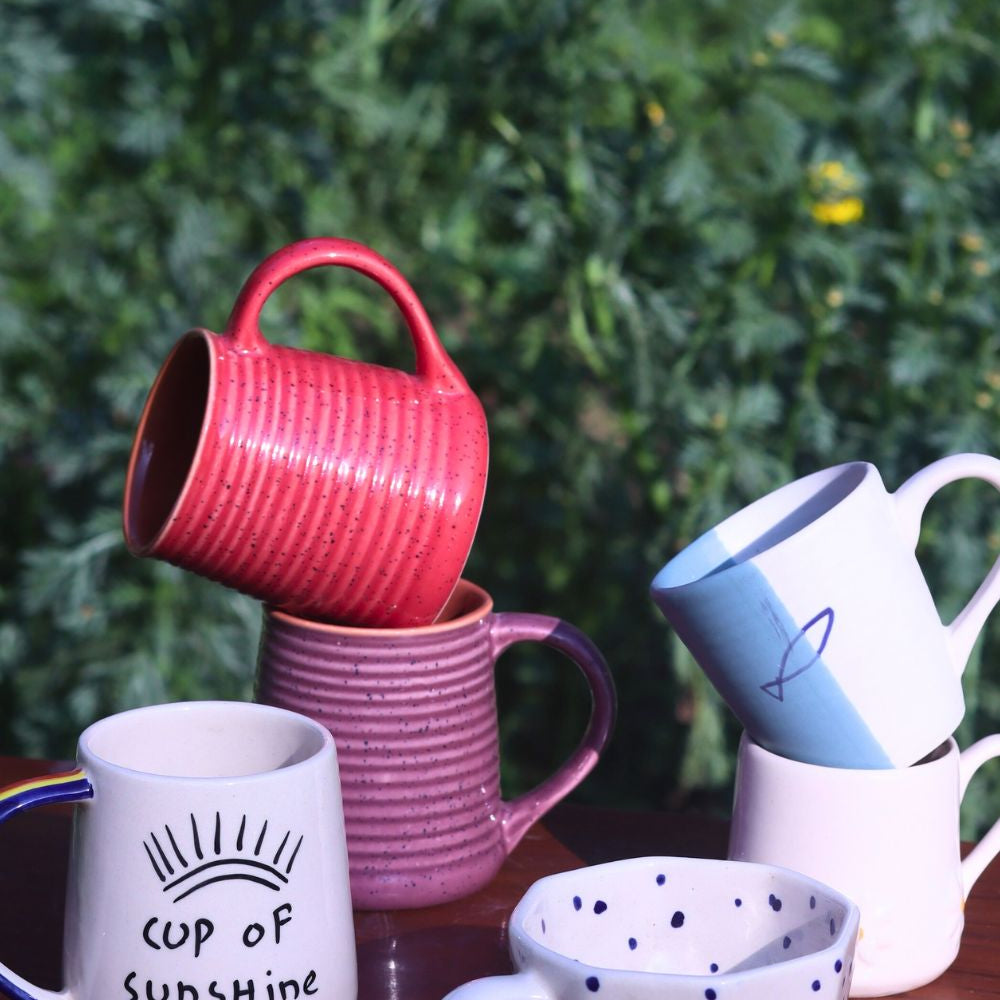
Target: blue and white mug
{"type": "Point", "coordinates": [811, 616]}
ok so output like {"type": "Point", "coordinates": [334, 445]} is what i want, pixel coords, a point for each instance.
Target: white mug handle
{"type": "Point", "coordinates": [986, 850]}
{"type": "Point", "coordinates": [525, 985]}
{"type": "Point", "coordinates": [66, 786]}
{"type": "Point", "coordinates": [911, 499]}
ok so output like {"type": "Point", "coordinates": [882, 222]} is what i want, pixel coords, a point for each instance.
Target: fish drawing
{"type": "Point", "coordinates": [776, 688]}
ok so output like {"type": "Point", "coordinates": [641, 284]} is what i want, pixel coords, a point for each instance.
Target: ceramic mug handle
{"type": "Point", "coordinates": [519, 986]}
{"type": "Point", "coordinates": [911, 499]}
{"type": "Point", "coordinates": [970, 761]}
{"type": "Point", "coordinates": [66, 786]}
{"type": "Point", "coordinates": [507, 628]}
{"type": "Point", "coordinates": [433, 362]}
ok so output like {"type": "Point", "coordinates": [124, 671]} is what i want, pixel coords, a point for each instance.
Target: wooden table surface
{"type": "Point", "coordinates": [422, 954]}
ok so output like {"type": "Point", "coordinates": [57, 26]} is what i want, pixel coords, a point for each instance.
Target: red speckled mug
{"type": "Point", "coordinates": [342, 491]}
{"type": "Point", "coordinates": [413, 713]}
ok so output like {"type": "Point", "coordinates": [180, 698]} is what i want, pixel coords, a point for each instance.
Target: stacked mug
{"type": "Point", "coordinates": [346, 496]}
{"type": "Point", "coordinates": [810, 614]}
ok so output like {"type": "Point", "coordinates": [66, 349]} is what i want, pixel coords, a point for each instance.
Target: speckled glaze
{"type": "Point", "coordinates": [339, 490]}
{"type": "Point", "coordinates": [413, 713]}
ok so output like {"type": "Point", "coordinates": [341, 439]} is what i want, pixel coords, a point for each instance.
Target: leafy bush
{"type": "Point", "coordinates": [683, 252]}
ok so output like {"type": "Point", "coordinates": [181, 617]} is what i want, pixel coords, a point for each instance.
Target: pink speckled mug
{"type": "Point", "coordinates": [413, 713]}
{"type": "Point", "coordinates": [339, 490]}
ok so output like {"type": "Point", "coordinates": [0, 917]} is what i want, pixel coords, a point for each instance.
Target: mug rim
{"type": "Point", "coordinates": [85, 747]}
{"type": "Point", "coordinates": [662, 583]}
{"type": "Point", "coordinates": [146, 545]}
{"type": "Point", "coordinates": [483, 607]}
{"type": "Point", "coordinates": [565, 962]}
{"type": "Point", "coordinates": [933, 759]}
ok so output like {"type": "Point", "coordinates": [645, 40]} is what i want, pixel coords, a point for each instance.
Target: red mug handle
{"type": "Point", "coordinates": [433, 362]}
{"type": "Point", "coordinates": [510, 627]}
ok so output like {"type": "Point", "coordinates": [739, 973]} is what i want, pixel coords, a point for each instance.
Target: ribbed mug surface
{"type": "Point", "coordinates": [339, 490]}
{"type": "Point", "coordinates": [413, 713]}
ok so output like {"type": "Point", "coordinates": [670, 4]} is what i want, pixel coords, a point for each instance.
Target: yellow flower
{"type": "Point", "coordinates": [655, 113]}
{"type": "Point", "coordinates": [836, 188]}
{"type": "Point", "coordinates": [980, 267]}
{"type": "Point", "coordinates": [993, 379]}
{"type": "Point", "coordinates": [960, 128]}
{"type": "Point", "coordinates": [841, 212]}
{"type": "Point", "coordinates": [832, 175]}
{"type": "Point", "coordinates": [834, 298]}
{"type": "Point", "coordinates": [971, 241]}
{"type": "Point", "coordinates": [984, 400]}
{"type": "Point", "coordinates": [943, 169]}
{"type": "Point", "coordinates": [760, 58]}
{"type": "Point", "coordinates": [777, 38]}
{"type": "Point", "coordinates": [828, 170]}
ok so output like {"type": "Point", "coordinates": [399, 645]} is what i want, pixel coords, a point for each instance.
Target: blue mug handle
{"type": "Point", "coordinates": [49, 789]}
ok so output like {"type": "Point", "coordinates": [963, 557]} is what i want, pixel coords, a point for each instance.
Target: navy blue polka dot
{"type": "Point", "coordinates": [577, 902]}
{"type": "Point", "coordinates": [677, 920]}
{"type": "Point", "coordinates": [593, 984]}
{"type": "Point", "coordinates": [812, 902]}
{"type": "Point", "coordinates": [838, 965]}
{"type": "Point", "coordinates": [710, 994]}
{"type": "Point", "coordinates": [787, 943]}
{"type": "Point", "coordinates": [600, 906]}
{"type": "Point", "coordinates": [660, 879]}
{"type": "Point", "coordinates": [815, 986]}
{"type": "Point", "coordinates": [774, 902]}
{"type": "Point", "coordinates": [633, 944]}
{"type": "Point", "coordinates": [543, 926]}
{"type": "Point", "coordinates": [714, 967]}
{"type": "Point", "coordinates": [833, 927]}
{"type": "Point", "coordinates": [738, 902]}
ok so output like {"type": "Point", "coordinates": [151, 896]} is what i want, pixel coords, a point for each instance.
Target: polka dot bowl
{"type": "Point", "coordinates": [680, 928]}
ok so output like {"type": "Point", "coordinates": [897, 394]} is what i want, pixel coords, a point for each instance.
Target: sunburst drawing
{"type": "Point", "coordinates": [200, 861]}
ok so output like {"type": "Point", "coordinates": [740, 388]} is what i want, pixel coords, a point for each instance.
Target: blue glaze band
{"type": "Point", "coordinates": [784, 694]}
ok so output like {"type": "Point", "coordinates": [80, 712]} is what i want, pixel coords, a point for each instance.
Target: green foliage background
{"type": "Point", "coordinates": [607, 207]}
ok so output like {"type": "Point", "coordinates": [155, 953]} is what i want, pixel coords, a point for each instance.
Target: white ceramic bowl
{"type": "Point", "coordinates": [682, 928]}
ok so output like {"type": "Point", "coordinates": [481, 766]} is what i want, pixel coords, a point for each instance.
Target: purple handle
{"type": "Point", "coordinates": [510, 627]}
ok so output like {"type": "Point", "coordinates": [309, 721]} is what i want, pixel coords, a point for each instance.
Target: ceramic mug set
{"type": "Point", "coordinates": [219, 847]}
{"type": "Point", "coordinates": [811, 616]}
{"type": "Point", "coordinates": [346, 497]}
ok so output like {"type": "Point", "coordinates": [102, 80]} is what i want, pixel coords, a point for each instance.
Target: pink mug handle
{"type": "Point", "coordinates": [433, 363]}
{"type": "Point", "coordinates": [508, 628]}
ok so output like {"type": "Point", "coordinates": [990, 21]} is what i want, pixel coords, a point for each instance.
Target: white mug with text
{"type": "Point", "coordinates": [208, 861]}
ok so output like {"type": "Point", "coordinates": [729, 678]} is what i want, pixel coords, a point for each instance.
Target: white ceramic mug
{"type": "Point", "coordinates": [888, 839]}
{"type": "Point", "coordinates": [676, 929]}
{"type": "Point", "coordinates": [208, 859]}
{"type": "Point", "coordinates": [810, 614]}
